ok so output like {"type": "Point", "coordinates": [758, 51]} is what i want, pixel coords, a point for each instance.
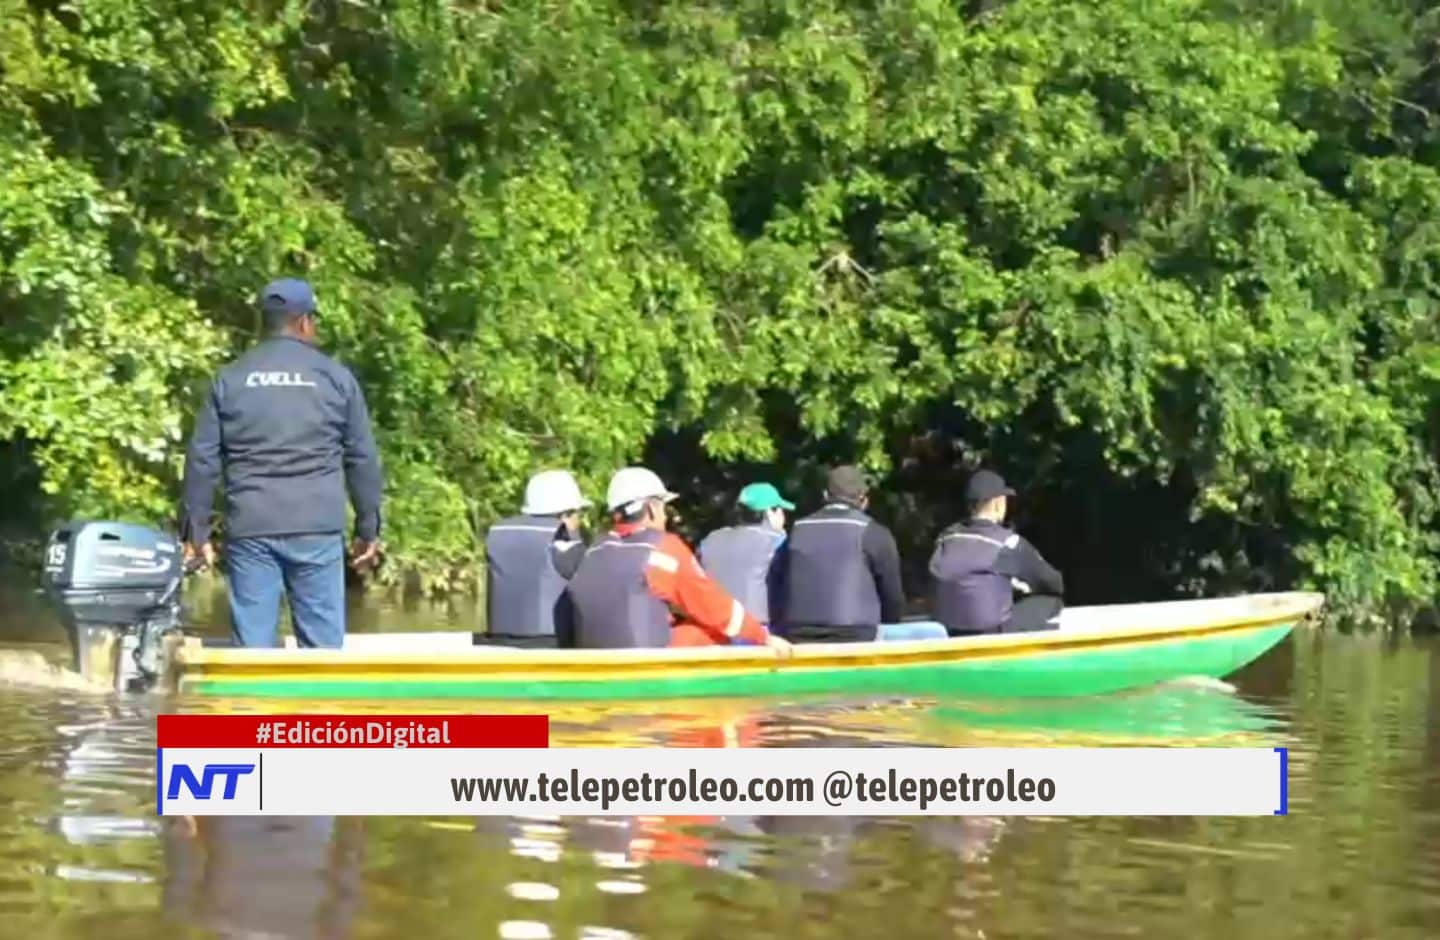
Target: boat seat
{"type": "Point", "coordinates": [448, 641]}
{"type": "Point", "coordinates": [895, 632]}
{"type": "Point", "coordinates": [911, 630]}
{"type": "Point", "coordinates": [430, 642]}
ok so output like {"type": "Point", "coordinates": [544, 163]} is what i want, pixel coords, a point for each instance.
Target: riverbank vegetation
{"type": "Point", "coordinates": [1173, 266]}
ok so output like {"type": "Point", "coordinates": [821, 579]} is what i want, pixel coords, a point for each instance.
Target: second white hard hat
{"type": "Point", "coordinates": [552, 492]}
{"type": "Point", "coordinates": [633, 484]}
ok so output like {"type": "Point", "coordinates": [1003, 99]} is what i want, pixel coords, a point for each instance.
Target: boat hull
{"type": "Point", "coordinates": [1093, 660]}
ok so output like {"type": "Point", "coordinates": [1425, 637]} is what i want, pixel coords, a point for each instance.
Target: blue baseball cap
{"type": "Point", "coordinates": [288, 295]}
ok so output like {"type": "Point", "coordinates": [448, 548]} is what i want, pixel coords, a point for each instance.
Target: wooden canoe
{"type": "Point", "coordinates": [1096, 650]}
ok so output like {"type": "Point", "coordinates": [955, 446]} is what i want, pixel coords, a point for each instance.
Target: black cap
{"type": "Point", "coordinates": [986, 485]}
{"type": "Point", "coordinates": [847, 484]}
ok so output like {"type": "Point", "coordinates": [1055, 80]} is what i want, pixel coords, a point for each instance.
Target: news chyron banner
{"type": "Point", "coordinates": [501, 765]}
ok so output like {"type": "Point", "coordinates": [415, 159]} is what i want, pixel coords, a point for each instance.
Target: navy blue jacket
{"type": "Point", "coordinates": [977, 569]}
{"type": "Point", "coordinates": [287, 429]}
{"type": "Point", "coordinates": [842, 570]}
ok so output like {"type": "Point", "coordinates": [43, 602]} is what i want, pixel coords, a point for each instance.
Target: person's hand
{"type": "Point", "coordinates": [782, 647]}
{"type": "Point", "coordinates": [205, 552]}
{"type": "Point", "coordinates": [364, 554]}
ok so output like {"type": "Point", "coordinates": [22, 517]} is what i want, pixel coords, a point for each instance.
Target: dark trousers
{"type": "Point", "coordinates": [1033, 613]}
{"type": "Point", "coordinates": [544, 642]}
{"type": "Point", "coordinates": [816, 633]}
{"type": "Point", "coordinates": [1028, 614]}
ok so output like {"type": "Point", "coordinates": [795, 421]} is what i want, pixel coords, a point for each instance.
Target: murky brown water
{"type": "Point", "coordinates": [82, 854]}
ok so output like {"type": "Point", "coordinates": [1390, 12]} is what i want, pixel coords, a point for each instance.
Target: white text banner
{"type": "Point", "coordinates": [421, 781]}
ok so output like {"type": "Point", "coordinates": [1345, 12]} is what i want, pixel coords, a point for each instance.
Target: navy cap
{"type": "Point", "coordinates": [986, 485]}
{"type": "Point", "coordinates": [288, 295]}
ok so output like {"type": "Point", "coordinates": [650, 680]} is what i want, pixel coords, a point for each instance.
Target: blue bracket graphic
{"type": "Point", "coordinates": [1284, 809]}
{"type": "Point", "coordinates": [159, 774]}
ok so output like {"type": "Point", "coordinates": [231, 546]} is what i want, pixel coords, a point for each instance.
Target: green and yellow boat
{"type": "Point", "coordinates": [1096, 650]}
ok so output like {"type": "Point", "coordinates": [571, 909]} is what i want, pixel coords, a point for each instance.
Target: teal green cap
{"type": "Point", "coordinates": [763, 496]}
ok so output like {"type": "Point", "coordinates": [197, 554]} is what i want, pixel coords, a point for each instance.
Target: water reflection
{"type": "Point", "coordinates": [810, 852]}
{"type": "Point", "coordinates": [250, 877]}
{"type": "Point", "coordinates": [82, 854]}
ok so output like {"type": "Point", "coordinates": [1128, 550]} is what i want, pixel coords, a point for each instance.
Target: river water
{"type": "Point", "coordinates": [83, 855]}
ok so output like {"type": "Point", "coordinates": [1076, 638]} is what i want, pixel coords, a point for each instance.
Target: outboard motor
{"type": "Point", "coordinates": [117, 586]}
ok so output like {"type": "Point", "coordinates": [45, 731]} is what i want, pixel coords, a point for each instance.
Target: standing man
{"type": "Point", "coordinates": [988, 579]}
{"type": "Point", "coordinates": [842, 576]}
{"type": "Point", "coordinates": [748, 559]}
{"type": "Point", "coordinates": [529, 560]}
{"type": "Point", "coordinates": [641, 587]}
{"type": "Point", "coordinates": [287, 429]}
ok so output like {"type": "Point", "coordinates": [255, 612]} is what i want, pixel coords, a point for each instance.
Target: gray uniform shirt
{"type": "Point", "coordinates": [747, 561]}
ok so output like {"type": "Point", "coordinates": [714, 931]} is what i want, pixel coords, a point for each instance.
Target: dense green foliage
{"type": "Point", "coordinates": [1172, 265]}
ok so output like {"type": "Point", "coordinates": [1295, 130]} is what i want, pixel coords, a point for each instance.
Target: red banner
{"type": "Point", "coordinates": [349, 731]}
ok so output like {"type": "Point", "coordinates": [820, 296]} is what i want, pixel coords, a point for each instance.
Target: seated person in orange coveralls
{"type": "Point", "coordinates": [625, 590]}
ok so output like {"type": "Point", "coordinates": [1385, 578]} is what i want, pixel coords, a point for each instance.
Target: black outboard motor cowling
{"type": "Point", "coordinates": [117, 587]}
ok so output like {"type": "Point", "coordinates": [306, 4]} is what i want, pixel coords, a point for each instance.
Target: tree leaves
{"type": "Point", "coordinates": [1119, 248]}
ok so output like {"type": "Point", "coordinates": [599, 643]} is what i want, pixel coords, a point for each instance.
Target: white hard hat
{"type": "Point", "coordinates": [633, 484]}
{"type": "Point", "coordinates": [552, 492]}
